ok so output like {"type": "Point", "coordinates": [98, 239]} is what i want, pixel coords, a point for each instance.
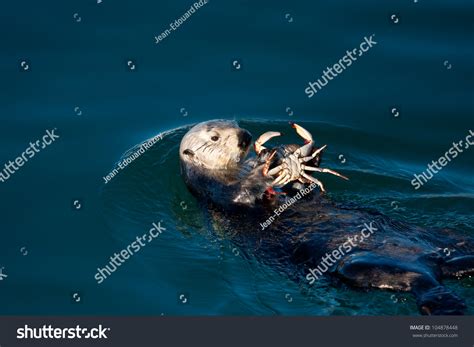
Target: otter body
{"type": "Point", "coordinates": [315, 237]}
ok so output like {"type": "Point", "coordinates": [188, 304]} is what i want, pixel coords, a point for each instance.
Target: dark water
{"type": "Point", "coordinates": [188, 78]}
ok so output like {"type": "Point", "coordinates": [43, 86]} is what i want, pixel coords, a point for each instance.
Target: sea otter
{"type": "Point", "coordinates": [312, 236]}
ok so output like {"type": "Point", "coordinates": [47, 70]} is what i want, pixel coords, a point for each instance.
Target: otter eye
{"type": "Point", "coordinates": [215, 138]}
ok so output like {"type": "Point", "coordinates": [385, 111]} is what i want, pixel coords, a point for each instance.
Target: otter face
{"type": "Point", "coordinates": [215, 145]}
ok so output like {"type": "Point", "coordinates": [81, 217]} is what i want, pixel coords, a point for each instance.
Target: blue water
{"type": "Point", "coordinates": [188, 78]}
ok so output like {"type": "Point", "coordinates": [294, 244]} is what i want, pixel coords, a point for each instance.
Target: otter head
{"type": "Point", "coordinates": [217, 146]}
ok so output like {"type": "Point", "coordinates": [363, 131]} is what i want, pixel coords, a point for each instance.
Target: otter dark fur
{"type": "Point", "coordinates": [396, 256]}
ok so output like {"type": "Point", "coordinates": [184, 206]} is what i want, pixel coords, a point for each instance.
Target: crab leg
{"type": "Point", "coordinates": [312, 179]}
{"type": "Point", "coordinates": [281, 180]}
{"type": "Point", "coordinates": [317, 169]}
{"type": "Point", "coordinates": [315, 153]}
{"type": "Point", "coordinates": [266, 166]}
{"type": "Point", "coordinates": [276, 170]}
{"type": "Point", "coordinates": [264, 138]}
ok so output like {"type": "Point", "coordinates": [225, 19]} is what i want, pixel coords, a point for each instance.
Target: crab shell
{"type": "Point", "coordinates": [289, 163]}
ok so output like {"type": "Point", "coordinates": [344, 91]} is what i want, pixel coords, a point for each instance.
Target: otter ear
{"type": "Point", "coordinates": [188, 152]}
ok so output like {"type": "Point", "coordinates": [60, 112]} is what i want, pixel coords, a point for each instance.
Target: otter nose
{"type": "Point", "coordinates": [244, 139]}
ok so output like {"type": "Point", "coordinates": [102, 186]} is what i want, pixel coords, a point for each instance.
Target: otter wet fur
{"type": "Point", "coordinates": [239, 193]}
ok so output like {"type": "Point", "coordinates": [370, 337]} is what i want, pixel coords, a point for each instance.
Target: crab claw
{"type": "Point", "coordinates": [264, 138]}
{"type": "Point", "coordinates": [305, 134]}
{"type": "Point", "coordinates": [305, 150]}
